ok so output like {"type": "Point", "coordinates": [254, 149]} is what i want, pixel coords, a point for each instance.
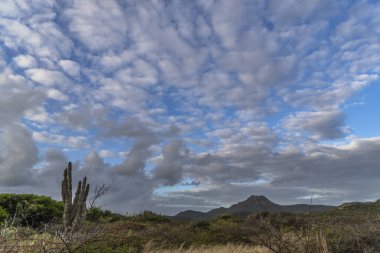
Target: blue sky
{"type": "Point", "coordinates": [191, 104]}
{"type": "Point", "coordinates": [363, 112]}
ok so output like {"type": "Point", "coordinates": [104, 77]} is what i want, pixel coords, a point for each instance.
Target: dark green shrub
{"type": "Point", "coordinates": [228, 218]}
{"type": "Point", "coordinates": [202, 224]}
{"type": "Point", "coordinates": [95, 214]}
{"type": "Point", "coordinates": [31, 210]}
{"type": "Point", "coordinates": [149, 216]}
{"type": "Point", "coordinates": [3, 214]}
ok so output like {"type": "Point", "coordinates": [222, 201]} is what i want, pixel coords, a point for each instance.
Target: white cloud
{"type": "Point", "coordinates": [38, 114]}
{"type": "Point", "coordinates": [25, 61]}
{"type": "Point", "coordinates": [104, 153]}
{"type": "Point", "coordinates": [97, 24]}
{"type": "Point", "coordinates": [48, 77]}
{"type": "Point", "coordinates": [70, 67]}
{"type": "Point", "coordinates": [111, 60]}
{"type": "Point", "coordinates": [14, 9]}
{"type": "Point", "coordinates": [61, 140]}
{"type": "Point", "coordinates": [57, 95]}
{"type": "Point", "coordinates": [38, 36]}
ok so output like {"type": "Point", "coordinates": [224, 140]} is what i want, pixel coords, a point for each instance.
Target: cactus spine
{"type": "Point", "coordinates": [74, 212]}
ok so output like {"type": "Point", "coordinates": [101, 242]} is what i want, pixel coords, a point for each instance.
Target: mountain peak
{"type": "Point", "coordinates": [255, 203]}
{"type": "Point", "coordinates": [257, 198]}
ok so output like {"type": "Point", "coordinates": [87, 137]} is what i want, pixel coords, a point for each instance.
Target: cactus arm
{"type": "Point", "coordinates": [69, 181]}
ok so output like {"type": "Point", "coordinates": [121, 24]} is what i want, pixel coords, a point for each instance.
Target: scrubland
{"type": "Point", "coordinates": [32, 223]}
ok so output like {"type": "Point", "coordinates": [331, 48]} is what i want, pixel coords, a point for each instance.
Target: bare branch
{"type": "Point", "coordinates": [100, 191]}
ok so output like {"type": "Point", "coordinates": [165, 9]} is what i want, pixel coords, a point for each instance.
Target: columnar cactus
{"type": "Point", "coordinates": [74, 213]}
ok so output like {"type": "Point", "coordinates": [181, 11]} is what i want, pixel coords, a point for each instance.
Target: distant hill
{"type": "Point", "coordinates": [254, 204]}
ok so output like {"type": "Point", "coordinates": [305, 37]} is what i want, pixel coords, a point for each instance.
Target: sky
{"type": "Point", "coordinates": [192, 104]}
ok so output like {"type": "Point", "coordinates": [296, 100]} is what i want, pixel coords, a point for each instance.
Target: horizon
{"type": "Point", "coordinates": [192, 105]}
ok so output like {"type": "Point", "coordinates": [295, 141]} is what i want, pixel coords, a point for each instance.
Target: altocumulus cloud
{"type": "Point", "coordinates": [188, 104]}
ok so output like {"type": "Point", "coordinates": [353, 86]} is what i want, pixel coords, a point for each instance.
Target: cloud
{"type": "Point", "coordinates": [37, 34]}
{"type": "Point", "coordinates": [322, 124]}
{"type": "Point", "coordinates": [25, 61]}
{"type": "Point", "coordinates": [136, 158]}
{"type": "Point", "coordinates": [18, 154]}
{"type": "Point", "coordinates": [38, 115]}
{"type": "Point", "coordinates": [70, 67]}
{"type": "Point", "coordinates": [338, 166]}
{"type": "Point", "coordinates": [127, 194]}
{"type": "Point", "coordinates": [61, 140]}
{"type": "Point", "coordinates": [57, 95]}
{"type": "Point", "coordinates": [141, 74]}
{"type": "Point", "coordinates": [16, 97]}
{"type": "Point", "coordinates": [170, 169]}
{"type": "Point", "coordinates": [329, 171]}
{"type": "Point", "coordinates": [143, 137]}
{"type": "Point", "coordinates": [48, 77]}
{"type": "Point", "coordinates": [49, 174]}
{"type": "Point", "coordinates": [98, 25]}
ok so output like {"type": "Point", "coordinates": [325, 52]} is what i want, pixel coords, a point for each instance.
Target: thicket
{"type": "Point", "coordinates": [30, 210]}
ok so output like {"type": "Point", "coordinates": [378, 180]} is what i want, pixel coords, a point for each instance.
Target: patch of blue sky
{"type": "Point", "coordinates": [117, 145]}
{"type": "Point", "coordinates": [363, 112]}
{"type": "Point", "coordinates": [116, 114]}
{"type": "Point", "coordinates": [274, 119]}
{"type": "Point", "coordinates": [75, 154]}
{"type": "Point", "coordinates": [208, 145]}
{"type": "Point", "coordinates": [166, 190]}
{"type": "Point", "coordinates": [171, 99]}
{"type": "Point", "coordinates": [186, 184]}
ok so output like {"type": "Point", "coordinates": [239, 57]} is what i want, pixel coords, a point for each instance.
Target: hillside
{"type": "Point", "coordinates": [253, 204]}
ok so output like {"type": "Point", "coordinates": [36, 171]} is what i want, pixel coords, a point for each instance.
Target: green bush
{"type": "Point", "coordinates": [95, 214]}
{"type": "Point", "coordinates": [31, 210]}
{"type": "Point", "coordinates": [202, 224]}
{"type": "Point", "coordinates": [3, 214]}
{"type": "Point", "coordinates": [149, 216]}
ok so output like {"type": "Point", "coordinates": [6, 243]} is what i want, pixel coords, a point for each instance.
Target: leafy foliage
{"type": "Point", "coordinates": [96, 214]}
{"type": "Point", "coordinates": [31, 210]}
{"type": "Point", "coordinates": [3, 214]}
{"type": "Point", "coordinates": [149, 216]}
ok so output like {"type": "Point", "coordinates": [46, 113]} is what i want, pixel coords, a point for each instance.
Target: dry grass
{"type": "Point", "coordinates": [229, 248]}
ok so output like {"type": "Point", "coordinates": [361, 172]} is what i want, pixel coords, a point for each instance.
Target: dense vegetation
{"type": "Point", "coordinates": [29, 209]}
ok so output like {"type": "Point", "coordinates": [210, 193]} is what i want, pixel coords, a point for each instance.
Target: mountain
{"type": "Point", "coordinates": [190, 215]}
{"type": "Point", "coordinates": [253, 204]}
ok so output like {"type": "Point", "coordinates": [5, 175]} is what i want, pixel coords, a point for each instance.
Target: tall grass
{"type": "Point", "coordinates": [229, 248]}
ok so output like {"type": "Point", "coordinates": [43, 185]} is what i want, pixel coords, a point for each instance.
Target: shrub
{"type": "Point", "coordinates": [149, 216]}
{"type": "Point", "coordinates": [95, 214]}
{"type": "Point", "coordinates": [31, 210]}
{"type": "Point", "coordinates": [3, 214]}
